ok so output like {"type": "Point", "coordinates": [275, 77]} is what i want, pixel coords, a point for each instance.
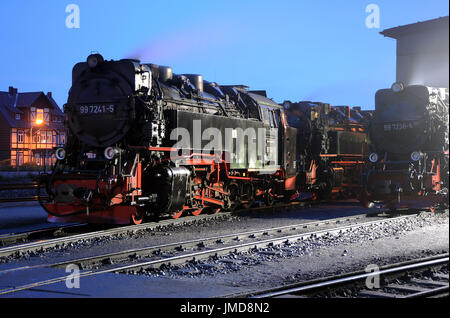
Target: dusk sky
{"type": "Point", "coordinates": [297, 50]}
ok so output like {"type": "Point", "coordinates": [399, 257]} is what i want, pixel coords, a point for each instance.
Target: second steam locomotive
{"type": "Point", "coordinates": [145, 141]}
{"type": "Point", "coordinates": [409, 132]}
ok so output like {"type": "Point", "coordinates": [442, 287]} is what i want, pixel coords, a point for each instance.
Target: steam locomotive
{"type": "Point", "coordinates": [409, 165]}
{"type": "Point", "coordinates": [144, 141]}
{"type": "Point", "coordinates": [332, 147]}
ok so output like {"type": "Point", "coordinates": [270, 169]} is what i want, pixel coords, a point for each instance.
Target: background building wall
{"type": "Point", "coordinates": [423, 58]}
{"type": "Point", "coordinates": [422, 52]}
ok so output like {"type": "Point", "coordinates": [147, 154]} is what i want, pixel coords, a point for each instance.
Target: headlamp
{"type": "Point", "coordinates": [60, 154]}
{"type": "Point", "coordinates": [415, 156]}
{"type": "Point", "coordinates": [110, 153]}
{"type": "Point", "coordinates": [373, 157]}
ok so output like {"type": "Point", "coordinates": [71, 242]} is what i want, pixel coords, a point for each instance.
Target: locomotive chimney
{"type": "Point", "coordinates": [155, 70]}
{"type": "Point", "coordinates": [165, 73]}
{"type": "Point", "coordinates": [196, 80]}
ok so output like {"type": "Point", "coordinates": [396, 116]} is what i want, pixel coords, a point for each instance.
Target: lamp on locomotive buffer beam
{"type": "Point", "coordinates": [110, 152]}
{"type": "Point", "coordinates": [373, 157]}
{"type": "Point", "coordinates": [416, 155]}
{"type": "Point", "coordinates": [60, 154]}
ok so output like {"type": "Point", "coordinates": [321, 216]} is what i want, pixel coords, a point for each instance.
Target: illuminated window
{"type": "Point", "coordinates": [17, 116]}
{"type": "Point", "coordinates": [39, 116]}
{"type": "Point", "coordinates": [49, 137]}
{"type": "Point", "coordinates": [43, 137]}
{"type": "Point", "coordinates": [20, 136]}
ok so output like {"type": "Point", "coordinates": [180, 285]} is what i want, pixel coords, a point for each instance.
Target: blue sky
{"type": "Point", "coordinates": [297, 50]}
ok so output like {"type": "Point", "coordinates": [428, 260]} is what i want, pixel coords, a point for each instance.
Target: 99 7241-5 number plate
{"type": "Point", "coordinates": [97, 109]}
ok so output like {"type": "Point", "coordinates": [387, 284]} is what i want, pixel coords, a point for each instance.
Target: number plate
{"type": "Point", "coordinates": [398, 126]}
{"type": "Point", "coordinates": [96, 109]}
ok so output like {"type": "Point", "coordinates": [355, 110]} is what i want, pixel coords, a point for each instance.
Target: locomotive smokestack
{"type": "Point", "coordinates": [196, 80]}
{"type": "Point", "coordinates": [155, 70]}
{"type": "Point", "coordinates": [165, 73]}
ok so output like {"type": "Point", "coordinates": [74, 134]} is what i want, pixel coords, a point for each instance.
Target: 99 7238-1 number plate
{"type": "Point", "coordinates": [97, 109]}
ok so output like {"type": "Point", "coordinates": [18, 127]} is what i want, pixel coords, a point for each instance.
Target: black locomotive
{"type": "Point", "coordinates": [409, 165]}
{"type": "Point", "coordinates": [124, 157]}
{"type": "Point", "coordinates": [332, 146]}
{"type": "Point", "coordinates": [144, 141]}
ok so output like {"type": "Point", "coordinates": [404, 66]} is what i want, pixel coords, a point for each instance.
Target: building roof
{"type": "Point", "coordinates": [12, 103]}
{"type": "Point", "coordinates": [397, 32]}
{"type": "Point", "coordinates": [27, 99]}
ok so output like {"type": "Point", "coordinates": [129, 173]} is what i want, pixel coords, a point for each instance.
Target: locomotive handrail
{"type": "Point", "coordinates": [132, 168]}
{"type": "Point", "coordinates": [343, 155]}
{"type": "Point", "coordinates": [395, 162]}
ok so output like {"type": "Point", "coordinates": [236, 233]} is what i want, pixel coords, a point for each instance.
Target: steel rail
{"type": "Point", "coordinates": [18, 186]}
{"type": "Point", "coordinates": [339, 280]}
{"type": "Point", "coordinates": [215, 240]}
{"type": "Point", "coordinates": [22, 199]}
{"type": "Point", "coordinates": [9, 239]}
{"type": "Point", "coordinates": [183, 258]}
{"type": "Point", "coordinates": [33, 246]}
{"type": "Point", "coordinates": [244, 247]}
{"type": "Point", "coordinates": [202, 242]}
{"type": "Point", "coordinates": [429, 293]}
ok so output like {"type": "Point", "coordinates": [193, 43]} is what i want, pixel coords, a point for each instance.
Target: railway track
{"type": "Point", "coordinates": [218, 245]}
{"type": "Point", "coordinates": [41, 234]}
{"type": "Point", "coordinates": [49, 243]}
{"type": "Point", "coordinates": [46, 241]}
{"type": "Point", "coordinates": [178, 253]}
{"type": "Point", "coordinates": [427, 277]}
{"type": "Point", "coordinates": [22, 199]}
{"type": "Point", "coordinates": [19, 186]}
